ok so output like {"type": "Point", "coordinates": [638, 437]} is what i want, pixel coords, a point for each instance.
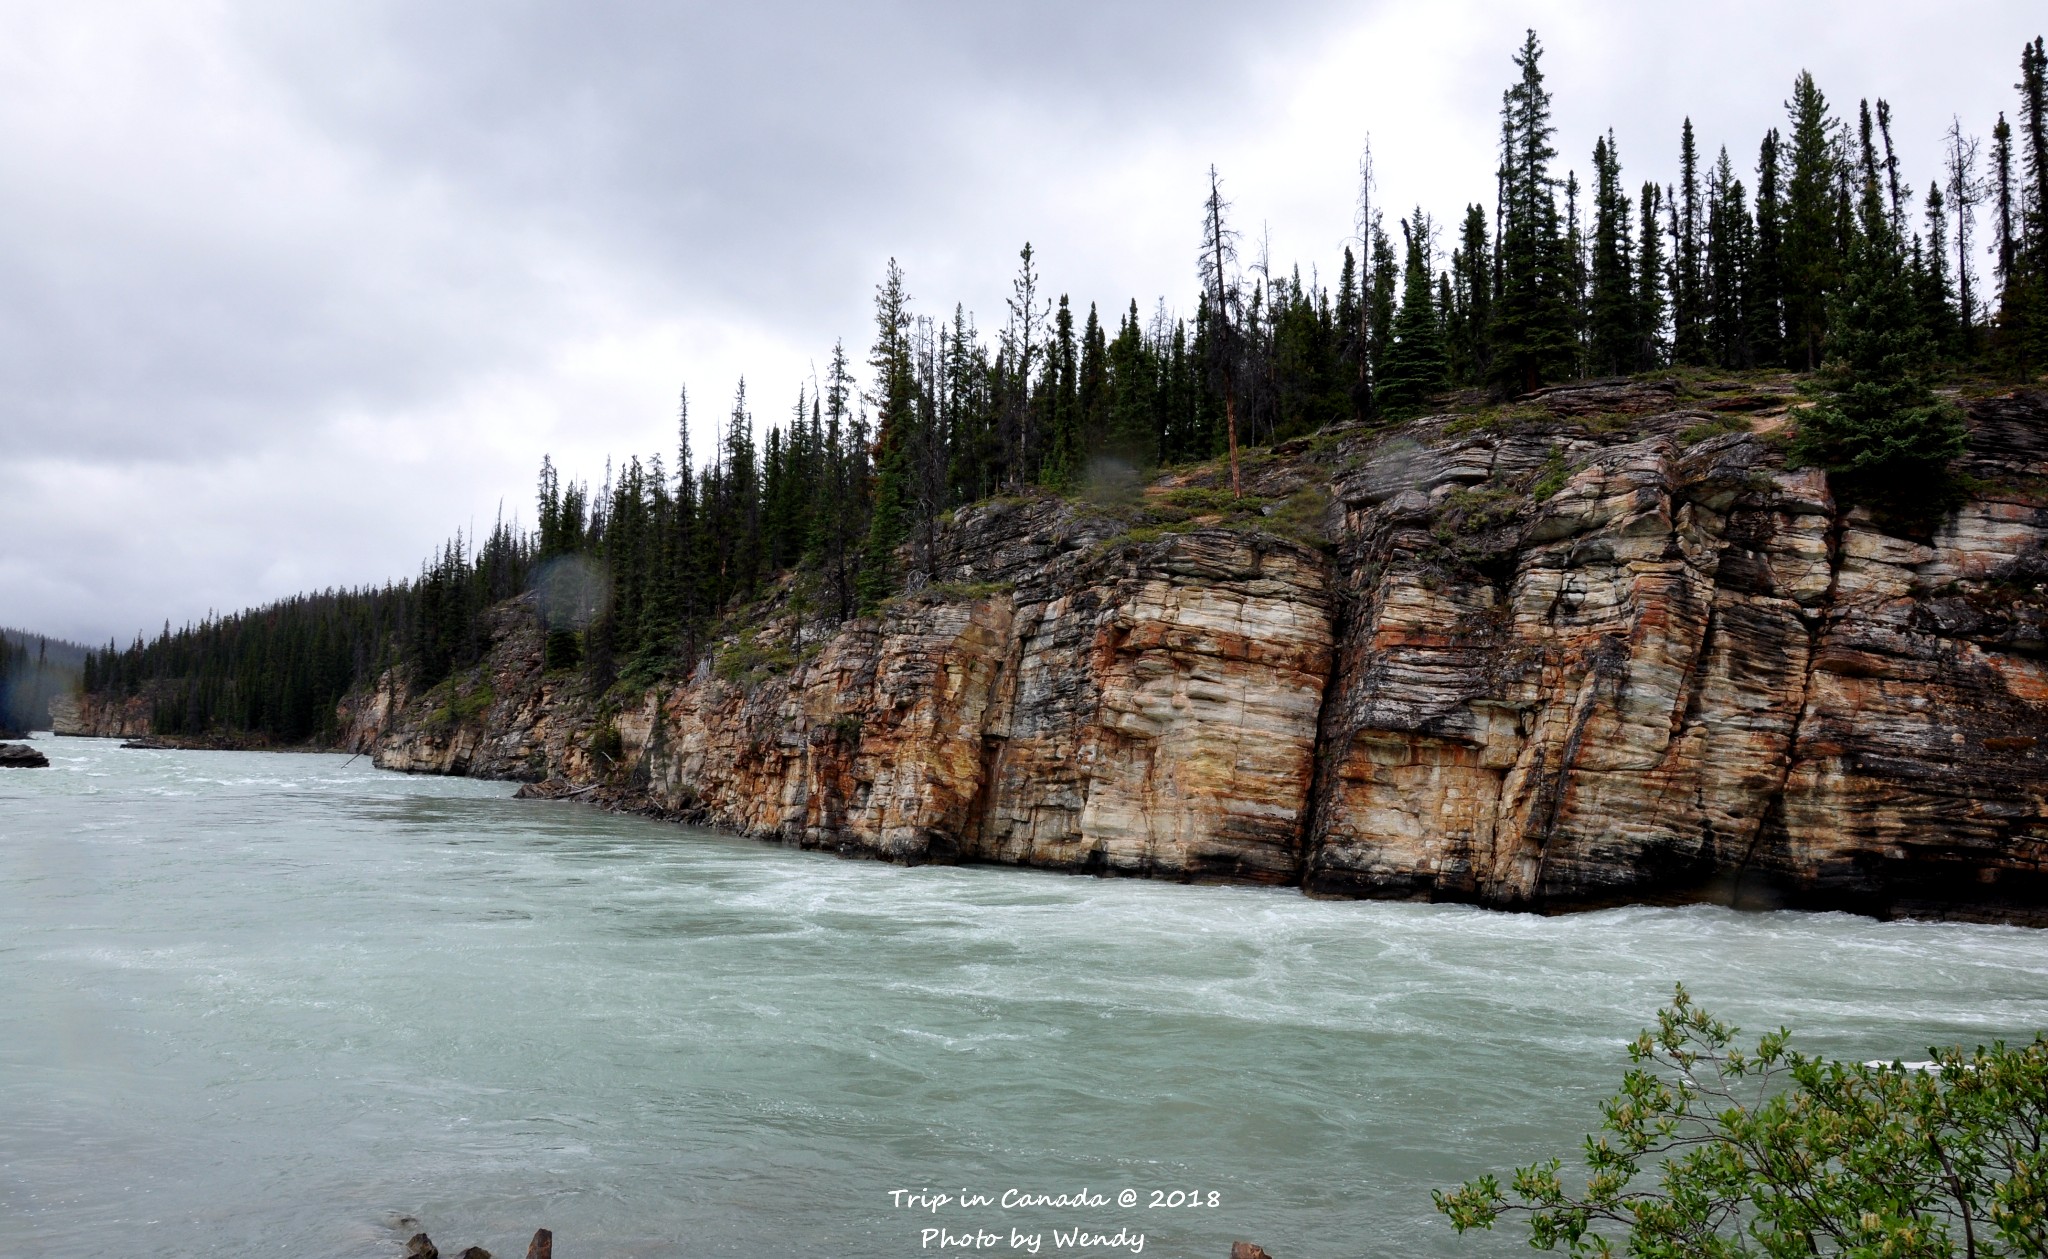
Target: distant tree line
{"type": "Point", "coordinates": [1828, 263]}
{"type": "Point", "coordinates": [279, 671]}
{"type": "Point", "coordinates": [34, 669]}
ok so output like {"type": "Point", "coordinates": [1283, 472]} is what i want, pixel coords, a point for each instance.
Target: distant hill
{"type": "Point", "coordinates": [61, 651]}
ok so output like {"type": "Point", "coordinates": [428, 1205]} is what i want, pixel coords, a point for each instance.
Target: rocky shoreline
{"type": "Point", "coordinates": [1600, 647]}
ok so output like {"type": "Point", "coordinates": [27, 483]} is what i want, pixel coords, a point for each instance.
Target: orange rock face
{"type": "Point", "coordinates": [1554, 665]}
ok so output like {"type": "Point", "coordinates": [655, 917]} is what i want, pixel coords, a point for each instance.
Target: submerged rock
{"type": "Point", "coordinates": [21, 756]}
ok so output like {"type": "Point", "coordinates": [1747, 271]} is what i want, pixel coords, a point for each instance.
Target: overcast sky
{"type": "Point", "coordinates": [289, 293]}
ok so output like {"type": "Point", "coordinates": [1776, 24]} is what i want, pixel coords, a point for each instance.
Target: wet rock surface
{"type": "Point", "coordinates": [21, 756]}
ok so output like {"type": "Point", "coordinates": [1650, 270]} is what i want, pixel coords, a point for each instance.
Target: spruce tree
{"type": "Point", "coordinates": [1764, 303]}
{"type": "Point", "coordinates": [1812, 232]}
{"type": "Point", "coordinates": [1688, 307]}
{"type": "Point", "coordinates": [1533, 319]}
{"type": "Point", "coordinates": [1650, 305]}
{"type": "Point", "coordinates": [2023, 306]}
{"type": "Point", "coordinates": [1964, 192]}
{"type": "Point", "coordinates": [1059, 396]}
{"type": "Point", "coordinates": [1379, 309]}
{"type": "Point", "coordinates": [1730, 243]}
{"type": "Point", "coordinates": [1415, 362]}
{"type": "Point", "coordinates": [895, 401]}
{"type": "Point", "coordinates": [1351, 336]}
{"type": "Point", "coordinates": [1091, 395]}
{"type": "Point", "coordinates": [1933, 290]}
{"type": "Point", "coordinates": [1613, 335]}
{"type": "Point", "coordinates": [1880, 431]}
{"type": "Point", "coordinates": [1220, 287]}
{"type": "Point", "coordinates": [1469, 321]}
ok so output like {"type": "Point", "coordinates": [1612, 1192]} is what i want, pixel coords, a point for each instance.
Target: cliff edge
{"type": "Point", "coordinates": [1600, 646]}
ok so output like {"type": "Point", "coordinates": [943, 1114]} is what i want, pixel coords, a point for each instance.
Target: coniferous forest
{"type": "Point", "coordinates": [1806, 249]}
{"type": "Point", "coordinates": [34, 670]}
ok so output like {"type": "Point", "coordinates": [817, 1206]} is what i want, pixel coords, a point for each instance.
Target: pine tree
{"type": "Point", "coordinates": [1576, 274]}
{"type": "Point", "coordinates": [1092, 385]}
{"type": "Point", "coordinates": [1351, 338]}
{"type": "Point", "coordinates": [1134, 373]}
{"type": "Point", "coordinates": [2007, 216]}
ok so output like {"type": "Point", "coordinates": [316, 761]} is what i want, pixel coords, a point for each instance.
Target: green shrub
{"type": "Point", "coordinates": [1773, 1153]}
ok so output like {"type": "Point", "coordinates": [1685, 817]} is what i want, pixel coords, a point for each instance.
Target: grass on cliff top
{"type": "Point", "coordinates": [1298, 517]}
{"type": "Point", "coordinates": [747, 662]}
{"type": "Point", "coordinates": [459, 700]}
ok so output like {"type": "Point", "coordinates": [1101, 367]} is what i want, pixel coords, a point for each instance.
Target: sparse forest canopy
{"type": "Point", "coordinates": [1814, 256]}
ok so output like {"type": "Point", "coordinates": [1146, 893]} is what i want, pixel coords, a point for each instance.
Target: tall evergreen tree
{"type": "Point", "coordinates": [1932, 289]}
{"type": "Point", "coordinates": [1023, 345]}
{"type": "Point", "coordinates": [1965, 192]}
{"type": "Point", "coordinates": [2023, 304]}
{"type": "Point", "coordinates": [1220, 287]}
{"type": "Point", "coordinates": [1386, 278]}
{"type": "Point", "coordinates": [1688, 306]}
{"type": "Point", "coordinates": [1533, 322]}
{"type": "Point", "coordinates": [1650, 304]}
{"type": "Point", "coordinates": [1730, 243]}
{"type": "Point", "coordinates": [1614, 331]}
{"type": "Point", "coordinates": [895, 401]}
{"type": "Point", "coordinates": [1469, 317]}
{"type": "Point", "coordinates": [1812, 239]}
{"type": "Point", "coordinates": [1059, 397]}
{"type": "Point", "coordinates": [1881, 431]}
{"type": "Point", "coordinates": [1415, 363]}
{"type": "Point", "coordinates": [1765, 303]}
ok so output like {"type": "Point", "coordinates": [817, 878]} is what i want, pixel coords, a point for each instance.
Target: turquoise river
{"type": "Point", "coordinates": [277, 1004]}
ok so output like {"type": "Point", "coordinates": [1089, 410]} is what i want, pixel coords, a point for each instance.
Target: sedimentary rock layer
{"type": "Point", "coordinates": [1605, 647]}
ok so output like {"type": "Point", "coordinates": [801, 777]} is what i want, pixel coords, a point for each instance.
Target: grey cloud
{"type": "Point", "coordinates": [233, 239]}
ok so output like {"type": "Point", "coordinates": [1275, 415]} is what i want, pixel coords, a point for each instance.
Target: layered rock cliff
{"type": "Point", "coordinates": [1602, 646]}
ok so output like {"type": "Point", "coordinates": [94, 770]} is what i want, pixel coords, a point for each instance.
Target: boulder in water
{"type": "Point", "coordinates": [542, 1246]}
{"type": "Point", "coordinates": [21, 756]}
{"type": "Point", "coordinates": [421, 1247]}
{"type": "Point", "coordinates": [1246, 1250]}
